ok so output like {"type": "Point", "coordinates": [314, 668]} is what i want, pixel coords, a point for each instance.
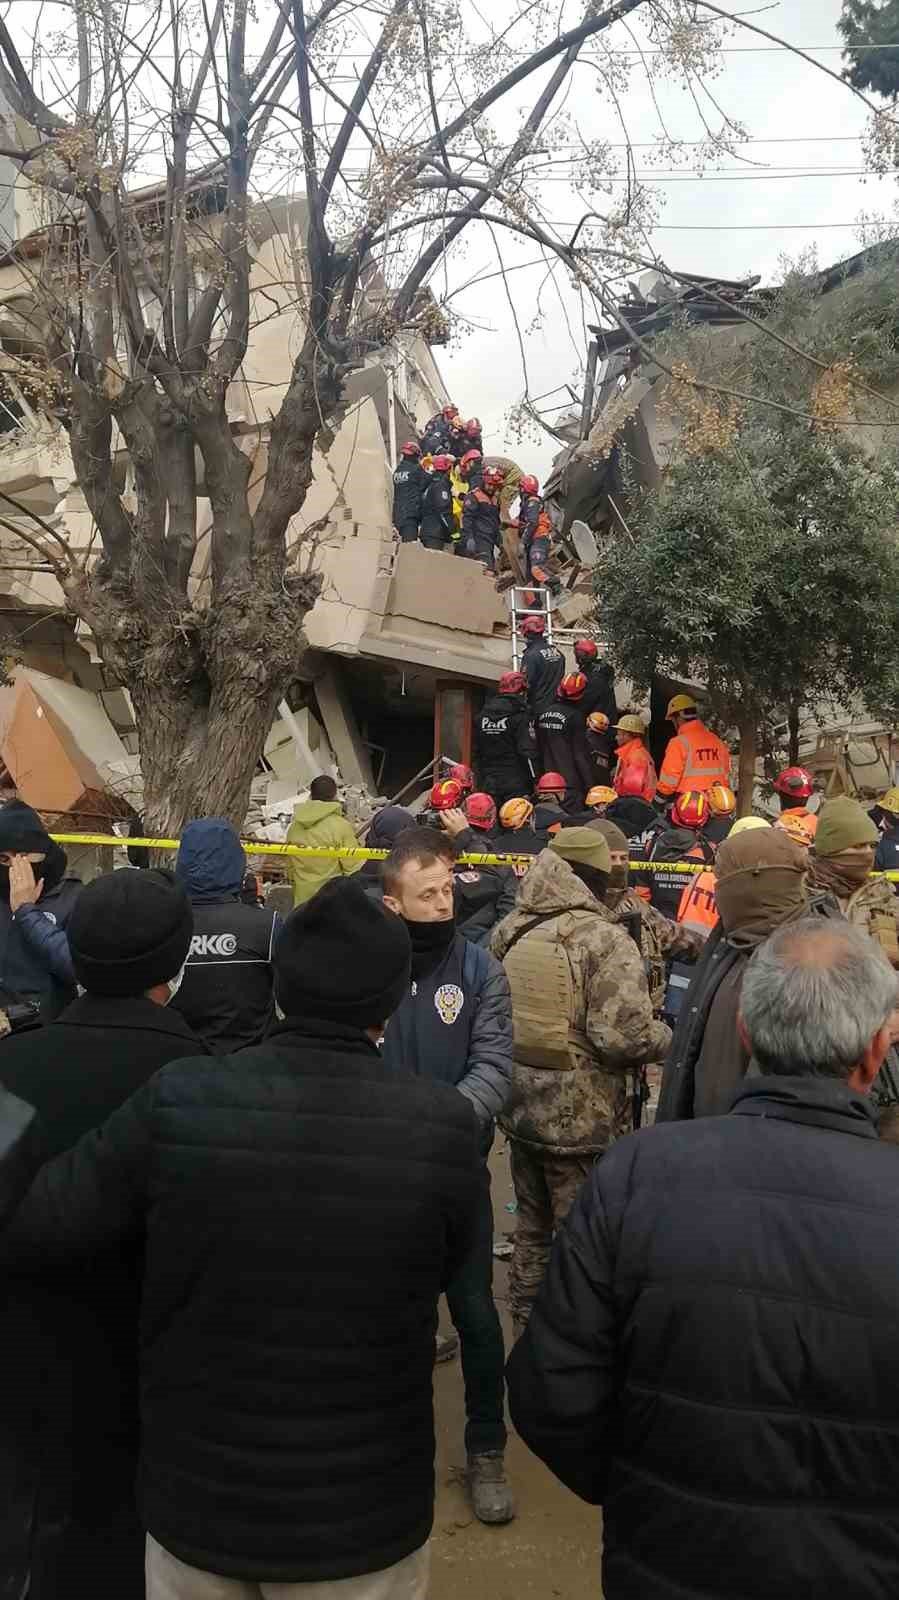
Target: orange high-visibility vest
{"type": "Point", "coordinates": [695, 759]}
{"type": "Point", "coordinates": [635, 773]}
{"type": "Point", "coordinates": [698, 910]}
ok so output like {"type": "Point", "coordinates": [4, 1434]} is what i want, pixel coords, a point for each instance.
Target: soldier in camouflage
{"type": "Point", "coordinates": [583, 1022]}
{"type": "Point", "coordinates": [661, 940]}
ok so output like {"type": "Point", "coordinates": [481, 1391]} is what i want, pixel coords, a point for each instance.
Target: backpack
{"type": "Point", "coordinates": [543, 993]}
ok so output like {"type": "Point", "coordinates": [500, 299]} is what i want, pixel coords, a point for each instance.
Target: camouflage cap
{"type": "Point", "coordinates": [582, 847]}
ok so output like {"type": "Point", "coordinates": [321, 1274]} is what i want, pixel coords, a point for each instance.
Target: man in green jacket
{"type": "Point", "coordinates": [319, 823]}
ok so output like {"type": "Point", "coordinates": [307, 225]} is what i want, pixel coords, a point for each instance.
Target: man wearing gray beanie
{"type": "Point", "coordinates": [302, 1211]}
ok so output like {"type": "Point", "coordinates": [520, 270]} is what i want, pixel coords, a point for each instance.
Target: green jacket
{"type": "Point", "coordinates": [320, 824]}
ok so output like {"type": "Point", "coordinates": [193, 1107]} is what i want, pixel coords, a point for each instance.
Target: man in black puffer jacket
{"type": "Point", "coordinates": [713, 1354]}
{"type": "Point", "coordinates": [303, 1209]}
{"type": "Point", "coordinates": [505, 748]}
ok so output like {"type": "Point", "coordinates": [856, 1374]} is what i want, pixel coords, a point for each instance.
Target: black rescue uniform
{"type": "Point", "coordinates": [482, 895]}
{"type": "Point", "coordinates": [544, 667]}
{"type": "Point", "coordinates": [480, 527]}
{"type": "Point", "coordinates": [563, 748]}
{"type": "Point", "coordinates": [505, 752]}
{"type": "Point", "coordinates": [409, 484]}
{"type": "Point", "coordinates": [437, 512]}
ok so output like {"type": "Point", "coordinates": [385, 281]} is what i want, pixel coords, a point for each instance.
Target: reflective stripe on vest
{"type": "Point", "coordinates": [706, 760]}
{"type": "Point", "coordinates": [698, 910]}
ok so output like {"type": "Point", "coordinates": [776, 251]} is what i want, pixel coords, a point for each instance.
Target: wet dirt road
{"type": "Point", "coordinates": [551, 1550]}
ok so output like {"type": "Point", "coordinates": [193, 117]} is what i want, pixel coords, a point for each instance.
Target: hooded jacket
{"type": "Point", "coordinates": [320, 824]}
{"type": "Point", "coordinates": [226, 992]}
{"type": "Point", "coordinates": [544, 667]}
{"type": "Point", "coordinates": [612, 1029]}
{"type": "Point", "coordinates": [505, 750]}
{"type": "Point", "coordinates": [34, 951]}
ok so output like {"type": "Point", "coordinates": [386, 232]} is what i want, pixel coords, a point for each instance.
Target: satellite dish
{"type": "Point", "coordinates": [584, 541]}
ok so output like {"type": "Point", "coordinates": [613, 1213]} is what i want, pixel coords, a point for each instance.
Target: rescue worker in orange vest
{"type": "Point", "coordinates": [801, 826]}
{"type": "Point", "coordinates": [698, 909]}
{"type": "Point", "coordinates": [794, 788]}
{"type": "Point", "coordinates": [635, 773]}
{"type": "Point", "coordinates": [695, 758]}
{"type": "Point", "coordinates": [681, 842]}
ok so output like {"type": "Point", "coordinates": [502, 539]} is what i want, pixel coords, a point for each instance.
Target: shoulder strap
{"type": "Point", "coordinates": [547, 916]}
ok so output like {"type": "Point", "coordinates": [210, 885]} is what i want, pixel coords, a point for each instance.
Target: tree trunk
{"type": "Point", "coordinates": [748, 727]}
{"type": "Point", "coordinates": [793, 726]}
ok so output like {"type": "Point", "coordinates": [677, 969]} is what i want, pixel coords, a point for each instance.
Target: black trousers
{"type": "Point", "coordinates": [408, 530]}
{"type": "Point", "coordinates": [476, 1320]}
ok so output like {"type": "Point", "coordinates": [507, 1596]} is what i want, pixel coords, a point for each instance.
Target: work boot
{"type": "Point", "coordinates": [490, 1490]}
{"type": "Point", "coordinates": [446, 1346]}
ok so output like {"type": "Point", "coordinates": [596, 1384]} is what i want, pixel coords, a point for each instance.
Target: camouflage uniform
{"type": "Point", "coordinates": [560, 1120]}
{"type": "Point", "coordinates": [661, 941]}
{"type": "Point", "coordinates": [873, 907]}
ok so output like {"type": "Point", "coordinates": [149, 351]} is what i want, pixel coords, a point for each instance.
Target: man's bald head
{"type": "Point", "coordinates": [816, 998]}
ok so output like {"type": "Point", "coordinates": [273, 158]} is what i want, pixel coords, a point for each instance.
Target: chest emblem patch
{"type": "Point", "coordinates": [449, 1001]}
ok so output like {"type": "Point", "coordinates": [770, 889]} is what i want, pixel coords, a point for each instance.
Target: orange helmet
{"type": "Point", "coordinates": [463, 775]}
{"type": "Point", "coordinates": [801, 827]}
{"type": "Point", "coordinates": [516, 813]}
{"type": "Point", "coordinates": [722, 800]}
{"type": "Point", "coordinates": [480, 809]}
{"type": "Point", "coordinates": [690, 810]}
{"type": "Point", "coordinates": [598, 722]}
{"type": "Point", "coordinates": [601, 795]}
{"type": "Point", "coordinates": [447, 795]}
{"type": "Point", "coordinates": [551, 783]}
{"type": "Point", "coordinates": [572, 687]}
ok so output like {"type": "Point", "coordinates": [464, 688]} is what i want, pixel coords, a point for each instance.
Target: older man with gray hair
{"type": "Point", "coordinates": [713, 1355]}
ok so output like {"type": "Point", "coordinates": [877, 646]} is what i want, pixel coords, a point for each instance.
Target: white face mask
{"type": "Point", "coordinates": [174, 984]}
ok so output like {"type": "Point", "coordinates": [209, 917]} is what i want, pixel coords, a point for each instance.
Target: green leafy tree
{"type": "Point", "coordinates": [871, 31]}
{"type": "Point", "coordinates": [768, 569]}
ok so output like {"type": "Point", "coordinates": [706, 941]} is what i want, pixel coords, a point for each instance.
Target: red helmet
{"type": "Point", "coordinates": [463, 775]}
{"type": "Point", "coordinates": [449, 412]}
{"type": "Point", "coordinates": [796, 783]}
{"type": "Point", "coordinates": [447, 795]}
{"type": "Point", "coordinates": [572, 687]}
{"type": "Point", "coordinates": [480, 810]}
{"type": "Point", "coordinates": [443, 463]}
{"type": "Point", "coordinates": [533, 627]}
{"type": "Point", "coordinates": [551, 783]}
{"type": "Point", "coordinates": [470, 457]}
{"type": "Point", "coordinates": [513, 683]}
{"type": "Point", "coordinates": [585, 650]}
{"type": "Point", "coordinates": [494, 478]}
{"type": "Point", "coordinates": [410, 448]}
{"type": "Point", "coordinates": [473, 427]}
{"type": "Point", "coordinates": [529, 484]}
{"type": "Point", "coordinates": [690, 810]}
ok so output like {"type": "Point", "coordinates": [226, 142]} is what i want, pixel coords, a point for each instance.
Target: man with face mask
{"type": "Point", "coordinates": [583, 1025]}
{"type": "Point", "coordinates": [661, 940]}
{"type": "Point", "coordinates": [36, 902]}
{"type": "Point", "coordinates": [842, 861]}
{"type": "Point", "coordinates": [455, 1026]}
{"type": "Point", "coordinates": [70, 1420]}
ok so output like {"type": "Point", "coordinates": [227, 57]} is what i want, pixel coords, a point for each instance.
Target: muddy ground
{"type": "Point", "coordinates": [551, 1550]}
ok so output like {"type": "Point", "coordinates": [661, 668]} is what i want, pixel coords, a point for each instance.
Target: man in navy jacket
{"type": "Point", "coordinates": [36, 901]}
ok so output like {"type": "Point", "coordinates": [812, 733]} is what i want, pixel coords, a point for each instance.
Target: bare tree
{"type": "Point", "coordinates": [142, 310]}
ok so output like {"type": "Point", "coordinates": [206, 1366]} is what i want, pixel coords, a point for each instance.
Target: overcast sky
{"type": "Point", "coordinates": [795, 186]}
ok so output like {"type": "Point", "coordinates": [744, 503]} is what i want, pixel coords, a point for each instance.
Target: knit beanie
{"type": "Point", "coordinates": [387, 825]}
{"type": "Point", "coordinates": [842, 825]}
{"type": "Point", "coordinates": [129, 931]}
{"type": "Point", "coordinates": [21, 829]}
{"type": "Point", "coordinates": [615, 839]}
{"type": "Point", "coordinates": [583, 847]}
{"type": "Point", "coordinates": [342, 957]}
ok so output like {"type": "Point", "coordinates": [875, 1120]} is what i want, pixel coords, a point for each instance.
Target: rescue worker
{"type": "Point", "coordinates": [886, 858]}
{"type": "Point", "coordinates": [549, 812]}
{"type": "Point", "coordinates": [471, 469]}
{"type": "Point", "coordinates": [722, 813]}
{"type": "Point", "coordinates": [436, 436]}
{"type": "Point", "coordinates": [473, 435]}
{"type": "Point", "coordinates": [437, 506]}
{"type": "Point", "coordinates": [682, 841]}
{"type": "Point", "coordinates": [227, 990]}
{"type": "Point", "coordinates": [505, 750]}
{"type": "Point", "coordinates": [600, 692]}
{"type": "Point", "coordinates": [695, 758]}
{"type": "Point", "coordinates": [480, 813]}
{"type": "Point", "coordinates": [661, 940]}
{"type": "Point", "coordinates": [583, 1022]}
{"type": "Point", "coordinates": [562, 740]}
{"type": "Point", "coordinates": [480, 522]}
{"type": "Point", "coordinates": [841, 864]}
{"type": "Point", "coordinates": [599, 745]}
{"type": "Point", "coordinates": [535, 538]}
{"type": "Point", "coordinates": [635, 773]}
{"type": "Point", "coordinates": [517, 832]}
{"type": "Point", "coordinates": [542, 664]}
{"type": "Point", "coordinates": [446, 795]}
{"type": "Point", "coordinates": [599, 798]}
{"type": "Point", "coordinates": [794, 788]}
{"type": "Point", "coordinates": [463, 775]}
{"type": "Point", "coordinates": [409, 484]}
{"type": "Point", "coordinates": [483, 894]}
{"type": "Point", "coordinates": [802, 827]}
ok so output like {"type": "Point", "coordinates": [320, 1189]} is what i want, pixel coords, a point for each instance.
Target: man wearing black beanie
{"type": "Point", "coordinates": [70, 1334]}
{"type": "Point", "coordinates": [303, 1209]}
{"type": "Point", "coordinates": [36, 902]}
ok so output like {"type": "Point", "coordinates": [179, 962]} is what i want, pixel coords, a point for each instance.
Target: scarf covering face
{"type": "Point", "coordinates": [760, 881]}
{"type": "Point", "coordinates": [430, 941]}
{"type": "Point", "coordinates": [846, 872]}
{"type": "Point", "coordinates": [618, 877]}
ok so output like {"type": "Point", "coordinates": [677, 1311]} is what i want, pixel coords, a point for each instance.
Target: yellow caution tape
{"type": "Point", "coordinates": [345, 853]}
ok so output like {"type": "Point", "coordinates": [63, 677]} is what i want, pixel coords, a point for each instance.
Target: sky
{"type": "Point", "coordinates": [795, 186]}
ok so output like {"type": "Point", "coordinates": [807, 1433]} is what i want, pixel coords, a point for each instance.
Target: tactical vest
{"type": "Point", "coordinates": [226, 993]}
{"type": "Point", "coordinates": [544, 994]}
